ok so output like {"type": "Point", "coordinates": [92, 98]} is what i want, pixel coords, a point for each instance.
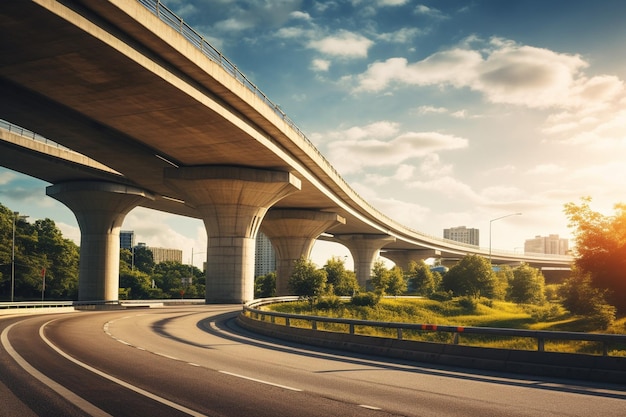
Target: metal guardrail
{"type": "Point", "coordinates": [36, 304]}
{"type": "Point", "coordinates": [541, 336]}
{"type": "Point", "coordinates": [25, 133]}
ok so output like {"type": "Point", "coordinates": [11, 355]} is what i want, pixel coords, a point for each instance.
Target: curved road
{"type": "Point", "coordinates": [194, 360]}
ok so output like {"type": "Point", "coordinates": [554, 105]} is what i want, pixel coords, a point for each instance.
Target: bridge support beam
{"type": "Point", "coordinates": [403, 258]}
{"type": "Point", "coordinates": [364, 249]}
{"type": "Point", "coordinates": [293, 234]}
{"type": "Point", "coordinates": [100, 209]}
{"type": "Point", "coordinates": [233, 202]}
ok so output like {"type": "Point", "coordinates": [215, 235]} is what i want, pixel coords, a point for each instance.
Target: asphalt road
{"type": "Point", "coordinates": [194, 360]}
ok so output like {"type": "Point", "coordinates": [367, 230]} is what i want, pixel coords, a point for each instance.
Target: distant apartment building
{"type": "Point", "coordinates": [462, 234]}
{"type": "Point", "coordinates": [127, 239]}
{"type": "Point", "coordinates": [551, 244]}
{"type": "Point", "coordinates": [264, 257]}
{"type": "Point", "coordinates": [165, 254]}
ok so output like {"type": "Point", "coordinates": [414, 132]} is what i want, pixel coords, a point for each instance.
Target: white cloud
{"type": "Point", "coordinates": [6, 177]}
{"type": "Point", "coordinates": [450, 187]}
{"type": "Point", "coordinates": [504, 72]}
{"type": "Point", "coordinates": [546, 169]}
{"type": "Point", "coordinates": [431, 109]}
{"type": "Point", "coordinates": [344, 44]}
{"type": "Point", "coordinates": [320, 65]}
{"type": "Point", "coordinates": [403, 35]}
{"type": "Point", "coordinates": [291, 33]}
{"type": "Point", "coordinates": [429, 11]}
{"type": "Point", "coordinates": [300, 15]}
{"type": "Point", "coordinates": [379, 144]}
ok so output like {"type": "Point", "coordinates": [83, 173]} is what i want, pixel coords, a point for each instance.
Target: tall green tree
{"type": "Point", "coordinates": [59, 261]}
{"type": "Point", "coordinates": [526, 285]}
{"type": "Point", "coordinates": [342, 281]}
{"type": "Point", "coordinates": [144, 260]}
{"type": "Point", "coordinates": [601, 248]}
{"type": "Point", "coordinates": [306, 280]}
{"type": "Point", "coordinates": [265, 285]}
{"type": "Point", "coordinates": [421, 279]}
{"type": "Point", "coordinates": [503, 276]}
{"type": "Point", "coordinates": [471, 276]}
{"type": "Point", "coordinates": [380, 277]}
{"type": "Point", "coordinates": [396, 284]}
{"type": "Point", "coordinates": [581, 297]}
{"type": "Point", "coordinates": [40, 252]}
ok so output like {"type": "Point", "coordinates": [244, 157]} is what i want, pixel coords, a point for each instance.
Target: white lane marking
{"type": "Point", "coordinates": [116, 380]}
{"type": "Point", "coordinates": [78, 401]}
{"type": "Point", "coordinates": [260, 381]}
{"type": "Point", "coordinates": [163, 355]}
{"type": "Point", "coordinates": [370, 407]}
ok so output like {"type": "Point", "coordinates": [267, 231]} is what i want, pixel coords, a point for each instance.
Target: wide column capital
{"type": "Point", "coordinates": [403, 258]}
{"type": "Point", "coordinates": [293, 233]}
{"type": "Point", "coordinates": [233, 201]}
{"type": "Point", "coordinates": [364, 248]}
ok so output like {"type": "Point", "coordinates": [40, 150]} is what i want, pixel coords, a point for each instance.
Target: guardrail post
{"type": "Point", "coordinates": [351, 328]}
{"type": "Point", "coordinates": [455, 339]}
{"type": "Point", "coordinates": [313, 324]}
{"type": "Point", "coordinates": [399, 333]}
{"type": "Point", "coordinates": [605, 348]}
{"type": "Point", "coordinates": [540, 344]}
{"type": "Point", "coordinates": [287, 322]}
{"type": "Point", "coordinates": [273, 319]}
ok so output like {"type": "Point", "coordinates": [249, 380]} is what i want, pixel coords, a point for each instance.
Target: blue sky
{"type": "Point", "coordinates": [439, 113]}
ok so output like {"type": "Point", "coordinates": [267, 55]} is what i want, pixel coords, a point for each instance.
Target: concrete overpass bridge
{"type": "Point", "coordinates": [158, 118]}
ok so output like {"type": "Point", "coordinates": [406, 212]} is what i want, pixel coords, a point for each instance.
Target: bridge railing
{"type": "Point", "coordinates": [177, 23]}
{"type": "Point", "coordinates": [25, 133]}
{"type": "Point", "coordinates": [200, 42]}
{"type": "Point", "coordinates": [254, 311]}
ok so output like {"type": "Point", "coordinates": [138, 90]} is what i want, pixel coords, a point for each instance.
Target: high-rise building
{"type": "Point", "coordinates": [462, 234]}
{"type": "Point", "coordinates": [551, 244]}
{"type": "Point", "coordinates": [264, 257]}
{"type": "Point", "coordinates": [127, 239]}
{"type": "Point", "coordinates": [165, 254]}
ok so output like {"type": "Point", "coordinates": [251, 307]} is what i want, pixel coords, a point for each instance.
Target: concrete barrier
{"type": "Point", "coordinates": [553, 364]}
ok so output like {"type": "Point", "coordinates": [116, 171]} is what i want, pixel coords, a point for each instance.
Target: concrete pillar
{"type": "Point", "coordinates": [365, 250]}
{"type": "Point", "coordinates": [232, 202]}
{"type": "Point", "coordinates": [100, 208]}
{"type": "Point", "coordinates": [403, 258]}
{"type": "Point", "coordinates": [293, 233]}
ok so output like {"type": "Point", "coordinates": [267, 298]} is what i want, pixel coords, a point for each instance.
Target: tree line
{"type": "Point", "coordinates": [596, 288]}
{"type": "Point", "coordinates": [44, 265]}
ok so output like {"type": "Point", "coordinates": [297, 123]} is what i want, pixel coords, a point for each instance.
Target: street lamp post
{"type": "Point", "coordinates": [16, 216]}
{"type": "Point", "coordinates": [493, 220]}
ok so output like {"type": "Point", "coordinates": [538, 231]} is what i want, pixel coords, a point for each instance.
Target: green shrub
{"type": "Point", "coordinates": [441, 296]}
{"type": "Point", "coordinates": [368, 299]}
{"type": "Point", "coordinates": [603, 315]}
{"type": "Point", "coordinates": [545, 312]}
{"type": "Point", "coordinates": [329, 302]}
{"type": "Point", "coordinates": [468, 302]}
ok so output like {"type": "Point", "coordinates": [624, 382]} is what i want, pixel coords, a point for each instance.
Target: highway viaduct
{"type": "Point", "coordinates": [158, 118]}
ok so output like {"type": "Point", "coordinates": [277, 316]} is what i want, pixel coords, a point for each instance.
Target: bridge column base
{"type": "Point", "coordinates": [293, 234]}
{"type": "Point", "coordinates": [100, 209]}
